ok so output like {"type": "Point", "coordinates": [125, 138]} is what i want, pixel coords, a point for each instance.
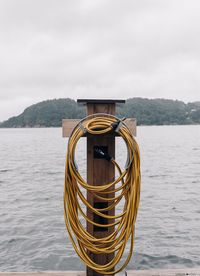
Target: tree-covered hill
{"type": "Point", "coordinates": [147, 111]}
{"type": "Point", "coordinates": [45, 114]}
{"type": "Point", "coordinates": [161, 111]}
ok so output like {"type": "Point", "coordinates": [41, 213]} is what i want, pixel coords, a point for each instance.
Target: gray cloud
{"type": "Point", "coordinates": [110, 49]}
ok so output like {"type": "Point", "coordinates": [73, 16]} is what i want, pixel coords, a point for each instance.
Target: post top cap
{"type": "Point", "coordinates": [99, 101]}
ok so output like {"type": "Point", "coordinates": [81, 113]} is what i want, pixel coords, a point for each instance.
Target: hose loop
{"type": "Point", "coordinates": [126, 187]}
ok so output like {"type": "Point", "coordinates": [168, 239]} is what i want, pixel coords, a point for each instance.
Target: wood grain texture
{"type": "Point", "coordinates": [69, 124]}
{"type": "Point", "coordinates": [99, 172]}
{"type": "Point", "coordinates": [165, 272]}
{"type": "Point", "coordinates": [154, 272]}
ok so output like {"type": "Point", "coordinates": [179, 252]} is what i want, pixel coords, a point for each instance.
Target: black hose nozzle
{"type": "Point", "coordinates": [99, 153]}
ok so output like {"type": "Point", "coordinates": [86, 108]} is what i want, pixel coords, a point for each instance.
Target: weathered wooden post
{"type": "Point", "coordinates": [99, 171]}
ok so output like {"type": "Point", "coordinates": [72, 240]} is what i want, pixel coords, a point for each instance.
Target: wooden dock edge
{"type": "Point", "coordinates": [154, 272]}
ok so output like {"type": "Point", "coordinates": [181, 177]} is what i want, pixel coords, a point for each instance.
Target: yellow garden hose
{"type": "Point", "coordinates": [129, 190]}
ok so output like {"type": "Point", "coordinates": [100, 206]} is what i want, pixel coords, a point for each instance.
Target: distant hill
{"type": "Point", "coordinates": [147, 111]}
{"type": "Point", "coordinates": [161, 111]}
{"type": "Point", "coordinates": [46, 114]}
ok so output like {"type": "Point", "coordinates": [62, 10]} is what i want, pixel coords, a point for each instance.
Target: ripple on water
{"type": "Point", "coordinates": [32, 229]}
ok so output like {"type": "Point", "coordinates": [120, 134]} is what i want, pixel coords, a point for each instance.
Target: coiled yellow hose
{"type": "Point", "coordinates": [129, 190]}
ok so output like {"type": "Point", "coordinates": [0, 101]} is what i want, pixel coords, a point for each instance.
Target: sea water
{"type": "Point", "coordinates": [32, 230]}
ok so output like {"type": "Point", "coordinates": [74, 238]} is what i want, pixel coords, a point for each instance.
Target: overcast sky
{"type": "Point", "coordinates": [97, 49]}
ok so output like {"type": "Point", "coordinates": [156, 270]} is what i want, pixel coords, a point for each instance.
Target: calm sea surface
{"type": "Point", "coordinates": [32, 230]}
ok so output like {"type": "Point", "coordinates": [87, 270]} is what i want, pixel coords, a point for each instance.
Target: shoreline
{"type": "Point", "coordinates": [39, 127]}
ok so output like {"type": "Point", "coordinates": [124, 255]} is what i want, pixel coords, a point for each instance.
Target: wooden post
{"type": "Point", "coordinates": [100, 171]}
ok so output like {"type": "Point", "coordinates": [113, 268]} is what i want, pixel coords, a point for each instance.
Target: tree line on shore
{"type": "Point", "coordinates": [147, 112]}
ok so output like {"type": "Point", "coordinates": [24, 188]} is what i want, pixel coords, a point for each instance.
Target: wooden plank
{"type": "Point", "coordinates": [152, 272]}
{"type": "Point", "coordinates": [69, 124]}
{"type": "Point", "coordinates": [100, 101]}
{"type": "Point", "coordinates": [165, 272]}
{"type": "Point", "coordinates": [43, 273]}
